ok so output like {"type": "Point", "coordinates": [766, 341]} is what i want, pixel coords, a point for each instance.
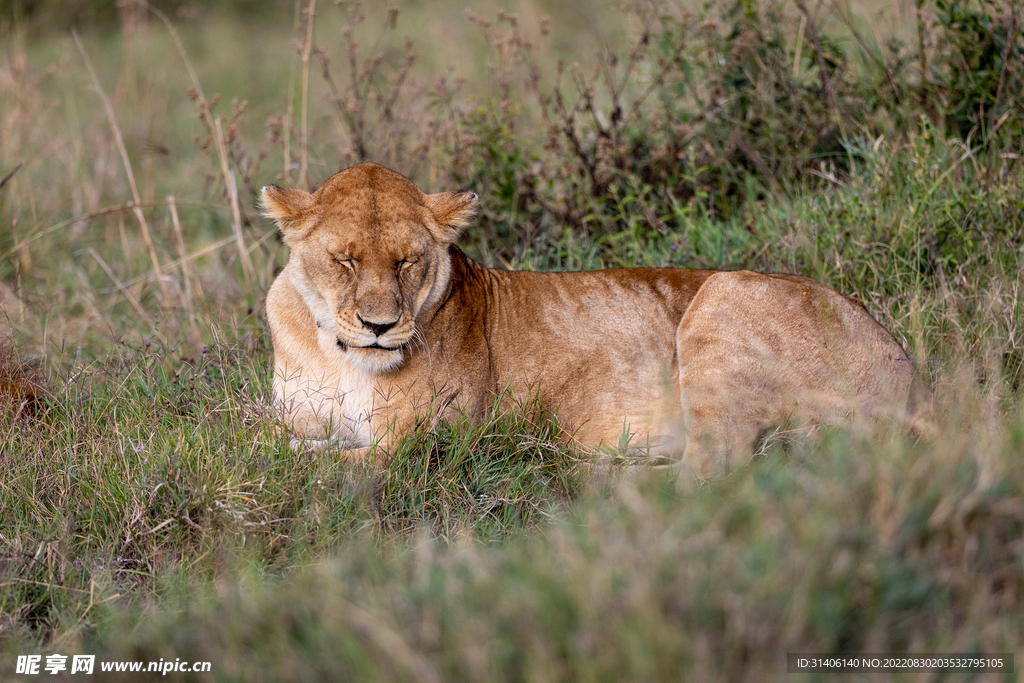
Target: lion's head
{"type": "Point", "coordinates": [369, 254]}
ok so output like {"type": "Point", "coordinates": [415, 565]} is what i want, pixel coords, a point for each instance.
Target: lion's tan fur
{"type": "Point", "coordinates": [693, 363]}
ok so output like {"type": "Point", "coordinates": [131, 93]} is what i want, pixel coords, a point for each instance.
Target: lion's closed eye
{"type": "Point", "coordinates": [344, 261]}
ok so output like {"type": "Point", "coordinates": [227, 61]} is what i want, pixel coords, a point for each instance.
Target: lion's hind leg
{"type": "Point", "coordinates": [756, 350]}
{"type": "Point", "coordinates": [725, 406]}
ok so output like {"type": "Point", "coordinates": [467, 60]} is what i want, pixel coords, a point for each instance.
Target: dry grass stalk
{"type": "Point", "coordinates": [307, 48]}
{"type": "Point", "coordinates": [286, 129]}
{"type": "Point", "coordinates": [39, 233]}
{"type": "Point", "coordinates": [213, 124]}
{"type": "Point", "coordinates": [236, 224]}
{"type": "Point", "coordinates": [119, 139]}
{"type": "Point", "coordinates": [822, 68]}
{"type": "Point", "coordinates": [188, 258]}
{"type": "Point", "coordinates": [186, 270]}
{"type": "Point", "coordinates": [121, 287]}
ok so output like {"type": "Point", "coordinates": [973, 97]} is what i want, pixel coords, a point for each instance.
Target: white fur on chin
{"type": "Point", "coordinates": [376, 361]}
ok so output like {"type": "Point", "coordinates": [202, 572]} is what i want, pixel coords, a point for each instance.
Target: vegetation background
{"type": "Point", "coordinates": [149, 509]}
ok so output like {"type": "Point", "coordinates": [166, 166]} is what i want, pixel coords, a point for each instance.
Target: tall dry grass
{"type": "Point", "coordinates": [150, 509]}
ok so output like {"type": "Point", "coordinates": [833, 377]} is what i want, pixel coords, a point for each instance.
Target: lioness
{"type": "Point", "coordinates": [378, 312]}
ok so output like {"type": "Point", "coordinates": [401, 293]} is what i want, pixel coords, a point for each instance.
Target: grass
{"type": "Point", "coordinates": [150, 507]}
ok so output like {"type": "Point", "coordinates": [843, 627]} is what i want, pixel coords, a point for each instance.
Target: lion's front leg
{"type": "Point", "coordinates": [366, 455]}
{"type": "Point", "coordinates": [329, 406]}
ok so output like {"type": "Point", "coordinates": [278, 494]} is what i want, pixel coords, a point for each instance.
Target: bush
{"type": "Point", "coordinates": [704, 111]}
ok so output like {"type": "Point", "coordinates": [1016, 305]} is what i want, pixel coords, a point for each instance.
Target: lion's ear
{"type": "Point", "coordinates": [452, 212]}
{"type": "Point", "coordinates": [292, 209]}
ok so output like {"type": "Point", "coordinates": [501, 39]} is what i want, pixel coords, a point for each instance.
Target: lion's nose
{"type": "Point", "coordinates": [377, 328]}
